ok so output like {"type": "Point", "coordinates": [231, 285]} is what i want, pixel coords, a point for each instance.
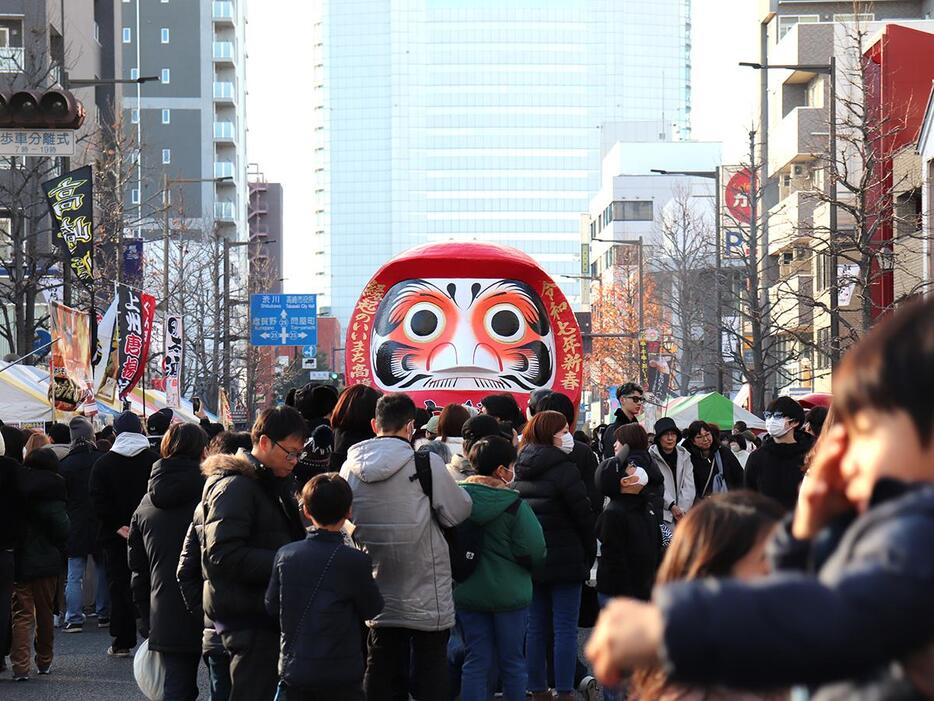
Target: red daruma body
{"type": "Point", "coordinates": [454, 322]}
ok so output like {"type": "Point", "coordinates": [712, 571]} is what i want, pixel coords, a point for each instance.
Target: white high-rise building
{"type": "Point", "coordinates": [482, 120]}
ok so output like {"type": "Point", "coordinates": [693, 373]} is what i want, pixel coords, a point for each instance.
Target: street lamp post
{"type": "Point", "coordinates": [828, 69]}
{"type": "Point", "coordinates": [718, 264]}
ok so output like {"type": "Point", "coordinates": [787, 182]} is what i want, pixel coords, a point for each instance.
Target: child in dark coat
{"type": "Point", "coordinates": [320, 592]}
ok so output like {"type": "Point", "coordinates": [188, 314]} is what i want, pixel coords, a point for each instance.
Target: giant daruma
{"type": "Point", "coordinates": [454, 322]}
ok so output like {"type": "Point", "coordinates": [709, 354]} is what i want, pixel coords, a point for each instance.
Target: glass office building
{"type": "Point", "coordinates": [482, 120]}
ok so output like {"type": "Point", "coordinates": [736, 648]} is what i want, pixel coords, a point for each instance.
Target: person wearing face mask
{"type": "Point", "coordinates": [493, 603]}
{"type": "Point", "coordinates": [776, 469]}
{"type": "Point", "coordinates": [740, 449]}
{"type": "Point", "coordinates": [549, 480]}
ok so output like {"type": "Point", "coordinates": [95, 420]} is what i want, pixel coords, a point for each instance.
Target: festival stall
{"type": "Point", "coordinates": [711, 407]}
{"type": "Point", "coordinates": [24, 398]}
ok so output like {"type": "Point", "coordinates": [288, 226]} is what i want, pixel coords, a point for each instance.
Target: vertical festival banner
{"type": "Point", "coordinates": [70, 387]}
{"type": "Point", "coordinates": [70, 199]}
{"type": "Point", "coordinates": [172, 360]}
{"type": "Point", "coordinates": [105, 372]}
{"type": "Point", "coordinates": [135, 312]}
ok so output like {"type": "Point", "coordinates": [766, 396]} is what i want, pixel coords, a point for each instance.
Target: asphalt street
{"type": "Point", "coordinates": [82, 671]}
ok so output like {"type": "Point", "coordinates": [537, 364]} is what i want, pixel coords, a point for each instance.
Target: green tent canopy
{"type": "Point", "coordinates": [711, 407]}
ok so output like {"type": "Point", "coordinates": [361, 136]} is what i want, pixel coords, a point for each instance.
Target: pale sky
{"type": "Point", "coordinates": [724, 99]}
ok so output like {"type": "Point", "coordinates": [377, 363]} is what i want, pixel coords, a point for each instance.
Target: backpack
{"type": "Point", "coordinates": [465, 540]}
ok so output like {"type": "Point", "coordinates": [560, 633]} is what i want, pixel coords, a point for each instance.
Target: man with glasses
{"type": "Point", "coordinates": [631, 398]}
{"type": "Point", "coordinates": [776, 468]}
{"type": "Point", "coordinates": [249, 513]}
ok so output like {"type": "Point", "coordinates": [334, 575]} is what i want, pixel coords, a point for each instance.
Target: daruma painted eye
{"type": "Point", "coordinates": [423, 322]}
{"type": "Point", "coordinates": [504, 323]}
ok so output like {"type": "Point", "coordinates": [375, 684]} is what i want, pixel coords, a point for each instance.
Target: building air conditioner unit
{"type": "Point", "coordinates": [799, 171]}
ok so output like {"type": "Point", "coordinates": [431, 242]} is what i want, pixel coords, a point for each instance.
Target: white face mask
{"type": "Point", "coordinates": [567, 443]}
{"type": "Point", "coordinates": [512, 479]}
{"type": "Point", "coordinates": [735, 447]}
{"type": "Point", "coordinates": [642, 475]}
{"type": "Point", "coordinates": [777, 427]}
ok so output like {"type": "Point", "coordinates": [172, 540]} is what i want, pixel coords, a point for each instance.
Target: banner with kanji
{"type": "Point", "coordinates": [135, 312]}
{"type": "Point", "coordinates": [223, 410]}
{"type": "Point", "coordinates": [70, 199]}
{"type": "Point", "coordinates": [172, 360]}
{"type": "Point", "coordinates": [70, 386]}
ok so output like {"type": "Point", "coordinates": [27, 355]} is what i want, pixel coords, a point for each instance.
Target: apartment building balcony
{"type": "Point", "coordinates": [790, 308]}
{"type": "Point", "coordinates": [224, 169]}
{"type": "Point", "coordinates": [791, 221]}
{"type": "Point", "coordinates": [11, 59]}
{"type": "Point", "coordinates": [225, 211]}
{"type": "Point", "coordinates": [799, 137]}
{"type": "Point", "coordinates": [224, 52]}
{"type": "Point", "coordinates": [224, 92]}
{"type": "Point", "coordinates": [222, 12]}
{"type": "Point", "coordinates": [225, 131]}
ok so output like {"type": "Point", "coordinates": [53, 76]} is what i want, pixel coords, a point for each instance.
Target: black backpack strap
{"type": "Point", "coordinates": [423, 475]}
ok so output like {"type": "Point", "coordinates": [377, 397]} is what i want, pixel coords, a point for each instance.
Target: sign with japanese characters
{"type": "Point", "coordinates": [37, 142]}
{"type": "Point", "coordinates": [71, 357]}
{"type": "Point", "coordinates": [172, 360]}
{"type": "Point", "coordinates": [443, 331]}
{"type": "Point", "coordinates": [70, 200]}
{"type": "Point", "coordinates": [135, 311]}
{"type": "Point", "coordinates": [283, 320]}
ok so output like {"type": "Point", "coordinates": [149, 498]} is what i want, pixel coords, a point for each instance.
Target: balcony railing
{"type": "Point", "coordinates": [224, 130]}
{"type": "Point", "coordinates": [223, 91]}
{"type": "Point", "coordinates": [224, 210]}
{"type": "Point", "coordinates": [11, 59]}
{"type": "Point", "coordinates": [223, 51]}
{"type": "Point", "coordinates": [223, 169]}
{"type": "Point", "coordinates": [222, 10]}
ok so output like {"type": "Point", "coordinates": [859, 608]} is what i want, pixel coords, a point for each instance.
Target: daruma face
{"type": "Point", "coordinates": [462, 334]}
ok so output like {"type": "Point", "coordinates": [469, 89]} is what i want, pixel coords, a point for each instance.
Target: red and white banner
{"type": "Point", "coordinates": [135, 312]}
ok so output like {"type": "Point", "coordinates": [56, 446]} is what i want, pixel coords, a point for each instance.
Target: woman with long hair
{"type": "Point", "coordinates": [350, 420]}
{"type": "Point", "coordinates": [722, 537]}
{"type": "Point", "coordinates": [451, 426]}
{"type": "Point", "coordinates": [551, 484]}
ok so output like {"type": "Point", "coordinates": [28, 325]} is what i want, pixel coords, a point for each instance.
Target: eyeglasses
{"type": "Point", "coordinates": [773, 415]}
{"type": "Point", "coordinates": [290, 455]}
{"type": "Point", "coordinates": [638, 399]}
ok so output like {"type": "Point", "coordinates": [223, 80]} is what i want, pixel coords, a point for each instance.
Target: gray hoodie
{"type": "Point", "coordinates": [393, 524]}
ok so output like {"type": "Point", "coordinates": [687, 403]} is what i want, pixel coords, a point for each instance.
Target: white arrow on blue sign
{"type": "Point", "coordinates": [283, 320]}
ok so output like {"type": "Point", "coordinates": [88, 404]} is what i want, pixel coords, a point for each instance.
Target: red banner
{"type": "Point", "coordinates": [135, 313]}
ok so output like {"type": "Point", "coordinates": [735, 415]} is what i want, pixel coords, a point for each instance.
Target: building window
{"type": "Point", "coordinates": [633, 210]}
{"type": "Point", "coordinates": [134, 73]}
{"type": "Point", "coordinates": [166, 116]}
{"type": "Point", "coordinates": [166, 76]}
{"type": "Point", "coordinates": [822, 355]}
{"type": "Point", "coordinates": [854, 17]}
{"type": "Point", "coordinates": [134, 116]}
{"type": "Point", "coordinates": [166, 156]}
{"type": "Point", "coordinates": [165, 35]}
{"type": "Point", "coordinates": [788, 21]}
{"type": "Point", "coordinates": [134, 195]}
{"type": "Point", "coordinates": [127, 35]}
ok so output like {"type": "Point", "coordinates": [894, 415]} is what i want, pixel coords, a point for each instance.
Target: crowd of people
{"type": "Point", "coordinates": [354, 546]}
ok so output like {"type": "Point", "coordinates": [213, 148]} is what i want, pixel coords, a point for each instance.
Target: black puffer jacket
{"type": "Point", "coordinates": [704, 470]}
{"type": "Point", "coordinates": [75, 467]}
{"type": "Point", "coordinates": [586, 461]}
{"type": "Point", "coordinates": [344, 440]}
{"type": "Point", "coordinates": [40, 550]}
{"type": "Point", "coordinates": [248, 515]}
{"type": "Point", "coordinates": [628, 529]}
{"type": "Point", "coordinates": [776, 469]}
{"type": "Point", "coordinates": [157, 531]}
{"type": "Point", "coordinates": [191, 582]}
{"type": "Point", "coordinates": [609, 436]}
{"type": "Point", "coordinates": [551, 484]}
{"type": "Point", "coordinates": [118, 483]}
{"type": "Point", "coordinates": [11, 503]}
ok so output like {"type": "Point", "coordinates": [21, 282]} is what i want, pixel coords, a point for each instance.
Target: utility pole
{"type": "Point", "coordinates": [755, 303]}
{"type": "Point", "coordinates": [832, 235]}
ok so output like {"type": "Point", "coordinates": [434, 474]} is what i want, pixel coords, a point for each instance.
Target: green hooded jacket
{"type": "Point", "coordinates": [513, 544]}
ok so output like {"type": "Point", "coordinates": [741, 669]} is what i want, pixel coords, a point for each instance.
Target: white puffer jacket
{"type": "Point", "coordinates": [684, 491]}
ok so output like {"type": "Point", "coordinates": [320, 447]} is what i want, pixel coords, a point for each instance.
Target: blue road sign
{"type": "Point", "coordinates": [309, 351]}
{"type": "Point", "coordinates": [283, 320]}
